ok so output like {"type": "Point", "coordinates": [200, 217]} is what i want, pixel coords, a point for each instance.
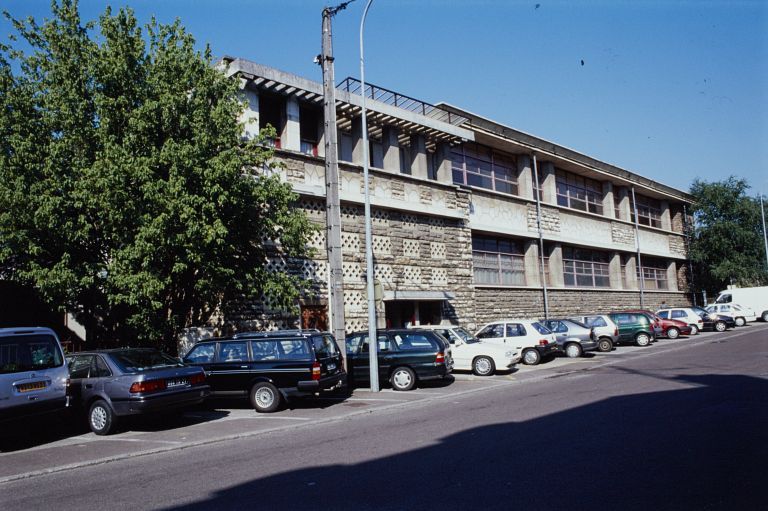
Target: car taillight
{"type": "Point", "coordinates": [615, 330]}
{"type": "Point", "coordinates": [316, 371]}
{"type": "Point", "coordinates": [440, 358]}
{"type": "Point", "coordinates": [197, 379]}
{"type": "Point", "coordinates": [147, 386]}
{"type": "Point", "coordinates": [543, 342]}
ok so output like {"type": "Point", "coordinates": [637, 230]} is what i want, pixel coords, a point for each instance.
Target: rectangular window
{"type": "Point", "coordinates": [272, 113]}
{"type": "Point", "coordinates": [578, 192]}
{"type": "Point", "coordinates": [585, 268]}
{"type": "Point", "coordinates": [29, 353]}
{"type": "Point", "coordinates": [309, 126]}
{"type": "Point", "coordinates": [648, 211]}
{"type": "Point", "coordinates": [616, 204]}
{"type": "Point", "coordinates": [476, 165]}
{"type": "Point", "coordinates": [498, 261]}
{"type": "Point", "coordinates": [654, 273]}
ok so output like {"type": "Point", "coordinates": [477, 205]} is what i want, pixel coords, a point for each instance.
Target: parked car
{"type": "Point", "coordinates": [714, 322]}
{"type": "Point", "coordinates": [633, 328]}
{"type": "Point", "coordinates": [532, 339]}
{"type": "Point", "coordinates": [405, 357]}
{"type": "Point", "coordinates": [33, 375]}
{"type": "Point", "coordinates": [685, 314]}
{"type": "Point", "coordinates": [665, 327]}
{"type": "Point", "coordinates": [471, 354]}
{"type": "Point", "coordinates": [573, 337]}
{"type": "Point", "coordinates": [755, 298]}
{"type": "Point", "coordinates": [110, 384]}
{"type": "Point", "coordinates": [741, 315]}
{"type": "Point", "coordinates": [606, 331]}
{"type": "Point", "coordinates": [270, 367]}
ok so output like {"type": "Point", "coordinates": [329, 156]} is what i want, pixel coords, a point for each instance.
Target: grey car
{"type": "Point", "coordinates": [109, 384]}
{"type": "Point", "coordinates": [606, 331]}
{"type": "Point", "coordinates": [573, 337]}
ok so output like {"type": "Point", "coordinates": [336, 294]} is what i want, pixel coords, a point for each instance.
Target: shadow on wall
{"type": "Point", "coordinates": [702, 447]}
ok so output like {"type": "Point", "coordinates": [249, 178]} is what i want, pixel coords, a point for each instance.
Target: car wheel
{"type": "Point", "coordinates": [101, 418]}
{"type": "Point", "coordinates": [573, 350]}
{"type": "Point", "coordinates": [531, 357]}
{"type": "Point", "coordinates": [695, 330]}
{"type": "Point", "coordinates": [403, 378]}
{"type": "Point", "coordinates": [720, 326]}
{"type": "Point", "coordinates": [673, 333]}
{"type": "Point", "coordinates": [765, 316]}
{"type": "Point", "coordinates": [483, 366]}
{"type": "Point", "coordinates": [642, 339]}
{"type": "Point", "coordinates": [265, 397]}
{"type": "Point", "coordinates": [604, 344]}
{"type": "Point", "coordinates": [741, 321]}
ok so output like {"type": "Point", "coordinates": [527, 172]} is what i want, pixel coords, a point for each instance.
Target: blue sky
{"type": "Point", "coordinates": [672, 90]}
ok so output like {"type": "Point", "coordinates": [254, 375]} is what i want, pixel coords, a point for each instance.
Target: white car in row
{"type": "Point", "coordinates": [532, 339]}
{"type": "Point", "coordinates": [471, 354]}
{"type": "Point", "coordinates": [741, 315]}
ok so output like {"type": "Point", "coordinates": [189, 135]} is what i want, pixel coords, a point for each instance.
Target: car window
{"type": "Point", "coordinates": [540, 328]}
{"type": "Point", "coordinates": [138, 360]}
{"type": "Point", "coordinates": [622, 319]}
{"type": "Point", "coordinates": [353, 344]}
{"type": "Point", "coordinates": [595, 321]}
{"type": "Point", "coordinates": [201, 354]}
{"type": "Point", "coordinates": [99, 368]}
{"type": "Point", "coordinates": [663, 314]}
{"type": "Point", "coordinates": [414, 341]}
{"type": "Point", "coordinates": [557, 326]}
{"type": "Point", "coordinates": [324, 346]}
{"type": "Point", "coordinates": [679, 314]}
{"type": "Point", "coordinates": [465, 336]}
{"type": "Point", "coordinates": [492, 331]}
{"type": "Point", "coordinates": [29, 353]}
{"type": "Point", "coordinates": [384, 343]}
{"type": "Point", "coordinates": [515, 330]}
{"type": "Point", "coordinates": [726, 298]}
{"type": "Point", "coordinates": [725, 308]}
{"type": "Point", "coordinates": [232, 351]}
{"type": "Point", "coordinates": [80, 366]}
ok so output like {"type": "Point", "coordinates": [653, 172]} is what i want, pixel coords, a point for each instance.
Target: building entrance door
{"type": "Point", "coordinates": [314, 316]}
{"type": "Point", "coordinates": [404, 313]}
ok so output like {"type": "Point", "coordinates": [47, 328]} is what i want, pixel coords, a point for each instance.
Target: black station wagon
{"type": "Point", "coordinates": [405, 357]}
{"type": "Point", "coordinates": [270, 367]}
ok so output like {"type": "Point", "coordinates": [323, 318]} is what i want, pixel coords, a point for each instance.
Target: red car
{"type": "Point", "coordinates": [670, 328]}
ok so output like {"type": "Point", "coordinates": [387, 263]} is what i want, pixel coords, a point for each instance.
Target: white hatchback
{"type": "Point", "coordinates": [741, 315]}
{"type": "Point", "coordinates": [684, 314]}
{"type": "Point", "coordinates": [471, 354]}
{"type": "Point", "coordinates": [532, 339]}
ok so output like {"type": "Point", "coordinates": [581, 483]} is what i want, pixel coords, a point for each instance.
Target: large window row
{"type": "Point", "coordinates": [654, 273]}
{"type": "Point", "coordinates": [477, 165]}
{"type": "Point", "coordinates": [648, 211]}
{"type": "Point", "coordinates": [498, 261]}
{"type": "Point", "coordinates": [579, 192]}
{"type": "Point", "coordinates": [585, 268]}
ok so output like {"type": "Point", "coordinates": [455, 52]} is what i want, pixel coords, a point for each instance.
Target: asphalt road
{"type": "Point", "coordinates": [679, 427]}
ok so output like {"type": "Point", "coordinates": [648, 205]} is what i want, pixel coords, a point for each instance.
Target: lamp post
{"type": "Point", "coordinates": [373, 345]}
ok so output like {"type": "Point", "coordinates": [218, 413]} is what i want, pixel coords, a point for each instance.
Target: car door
{"type": "Point", "coordinates": [231, 368]}
{"type": "Point", "coordinates": [559, 329]}
{"type": "Point", "coordinates": [361, 360]}
{"type": "Point", "coordinates": [79, 378]}
{"type": "Point", "coordinates": [461, 352]}
{"type": "Point", "coordinates": [627, 326]}
{"type": "Point", "coordinates": [203, 356]}
{"type": "Point", "coordinates": [493, 333]}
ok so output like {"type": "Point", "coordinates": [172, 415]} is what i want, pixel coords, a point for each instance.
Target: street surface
{"type": "Point", "coordinates": [678, 425]}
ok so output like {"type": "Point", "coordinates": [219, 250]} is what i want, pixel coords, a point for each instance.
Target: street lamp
{"type": "Point", "coordinates": [373, 345]}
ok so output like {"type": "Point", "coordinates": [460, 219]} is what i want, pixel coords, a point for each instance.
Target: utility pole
{"type": "Point", "coordinates": [332, 199]}
{"type": "Point", "coordinates": [765, 237]}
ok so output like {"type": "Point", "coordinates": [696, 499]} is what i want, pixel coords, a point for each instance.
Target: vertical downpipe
{"type": "Point", "coordinates": [637, 247]}
{"type": "Point", "coordinates": [541, 235]}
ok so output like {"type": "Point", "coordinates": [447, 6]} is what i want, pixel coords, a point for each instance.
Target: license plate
{"type": "Point", "coordinates": [30, 387]}
{"type": "Point", "coordinates": [177, 382]}
{"type": "Point", "coordinates": [331, 367]}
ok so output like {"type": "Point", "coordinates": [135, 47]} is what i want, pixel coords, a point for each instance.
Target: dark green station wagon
{"type": "Point", "coordinates": [270, 367]}
{"type": "Point", "coordinates": [634, 328]}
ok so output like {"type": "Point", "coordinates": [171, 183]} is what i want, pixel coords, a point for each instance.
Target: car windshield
{"type": "Point", "coordinates": [136, 361]}
{"type": "Point", "coordinates": [699, 311]}
{"type": "Point", "coordinates": [541, 328]}
{"type": "Point", "coordinates": [465, 336]}
{"type": "Point", "coordinates": [29, 353]}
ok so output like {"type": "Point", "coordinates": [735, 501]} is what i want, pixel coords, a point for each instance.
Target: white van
{"type": "Point", "coordinates": [755, 298]}
{"type": "Point", "coordinates": [33, 374]}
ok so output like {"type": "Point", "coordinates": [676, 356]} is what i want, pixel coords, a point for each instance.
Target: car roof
{"type": "Point", "coordinates": [23, 330]}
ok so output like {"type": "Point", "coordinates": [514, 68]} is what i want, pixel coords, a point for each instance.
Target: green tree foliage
{"type": "Point", "coordinates": [727, 239]}
{"type": "Point", "coordinates": [127, 192]}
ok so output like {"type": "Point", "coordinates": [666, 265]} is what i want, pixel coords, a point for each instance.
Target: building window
{"type": "Point", "coordinates": [616, 204]}
{"type": "Point", "coordinates": [498, 261]}
{"type": "Point", "coordinates": [578, 192]}
{"type": "Point", "coordinates": [476, 165]}
{"type": "Point", "coordinates": [272, 113]}
{"type": "Point", "coordinates": [654, 273]}
{"type": "Point", "coordinates": [309, 126]}
{"type": "Point", "coordinates": [538, 182]}
{"type": "Point", "coordinates": [624, 262]}
{"type": "Point", "coordinates": [585, 268]}
{"type": "Point", "coordinates": [648, 211]}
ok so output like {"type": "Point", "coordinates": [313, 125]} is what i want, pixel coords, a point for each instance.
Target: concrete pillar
{"type": "Point", "coordinates": [377, 155]}
{"type": "Point", "coordinates": [321, 136]}
{"type": "Point", "coordinates": [548, 184]}
{"type": "Point", "coordinates": [290, 138]}
{"type": "Point", "coordinates": [525, 177]}
{"type": "Point", "coordinates": [556, 266]}
{"type": "Point", "coordinates": [614, 268]}
{"type": "Point", "coordinates": [532, 272]}
{"type": "Point", "coordinates": [624, 202]}
{"type": "Point", "coordinates": [391, 148]}
{"type": "Point", "coordinates": [419, 166]}
{"type": "Point", "coordinates": [666, 217]}
{"type": "Point", "coordinates": [672, 276]}
{"type": "Point", "coordinates": [443, 163]}
{"type": "Point", "coordinates": [357, 140]}
{"type": "Point", "coordinates": [608, 205]}
{"type": "Point", "coordinates": [250, 116]}
{"type": "Point", "coordinates": [630, 270]}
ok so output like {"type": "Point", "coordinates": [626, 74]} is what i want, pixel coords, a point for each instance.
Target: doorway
{"type": "Point", "coordinates": [404, 313]}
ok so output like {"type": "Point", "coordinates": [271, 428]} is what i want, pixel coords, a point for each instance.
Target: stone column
{"type": "Point", "coordinates": [672, 276]}
{"type": "Point", "coordinates": [631, 272]}
{"type": "Point", "coordinates": [548, 184]}
{"type": "Point", "coordinates": [419, 156]}
{"type": "Point", "coordinates": [608, 209]}
{"type": "Point", "coordinates": [525, 177]}
{"type": "Point", "coordinates": [443, 163]}
{"type": "Point", "coordinates": [556, 266]}
{"type": "Point", "coordinates": [614, 267]}
{"type": "Point", "coordinates": [391, 148]}
{"type": "Point", "coordinates": [290, 138]}
{"type": "Point", "coordinates": [250, 116]}
{"type": "Point", "coordinates": [357, 140]}
{"type": "Point", "coordinates": [532, 272]}
{"type": "Point", "coordinates": [666, 217]}
{"type": "Point", "coordinates": [624, 203]}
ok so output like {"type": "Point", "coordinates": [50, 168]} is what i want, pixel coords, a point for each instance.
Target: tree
{"type": "Point", "coordinates": [129, 195]}
{"type": "Point", "coordinates": [727, 238]}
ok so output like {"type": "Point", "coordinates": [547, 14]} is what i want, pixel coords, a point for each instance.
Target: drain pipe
{"type": "Point", "coordinates": [687, 231]}
{"type": "Point", "coordinates": [637, 247]}
{"type": "Point", "coordinates": [537, 190]}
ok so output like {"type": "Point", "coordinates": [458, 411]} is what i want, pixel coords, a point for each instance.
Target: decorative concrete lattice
{"type": "Point", "coordinates": [380, 217]}
{"type": "Point", "coordinates": [272, 325]}
{"type": "Point", "coordinates": [410, 222]}
{"type": "Point", "coordinates": [439, 276]}
{"type": "Point", "coordinates": [354, 301]}
{"type": "Point", "coordinates": [315, 209]}
{"type": "Point", "coordinates": [315, 270]}
{"type": "Point", "coordinates": [382, 245]}
{"type": "Point", "coordinates": [317, 240]}
{"type": "Point", "coordinates": [371, 185]}
{"type": "Point", "coordinates": [384, 272]}
{"type": "Point", "coordinates": [437, 250]}
{"type": "Point", "coordinates": [436, 223]}
{"type": "Point", "coordinates": [355, 325]}
{"type": "Point", "coordinates": [268, 304]}
{"type": "Point", "coordinates": [412, 275]}
{"type": "Point", "coordinates": [411, 248]}
{"type": "Point", "coordinates": [352, 272]}
{"type": "Point", "coordinates": [350, 242]}
{"type": "Point", "coordinates": [350, 213]}
{"type": "Point", "coordinates": [276, 265]}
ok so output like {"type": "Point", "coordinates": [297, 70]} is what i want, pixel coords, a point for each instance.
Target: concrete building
{"type": "Point", "coordinates": [455, 216]}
